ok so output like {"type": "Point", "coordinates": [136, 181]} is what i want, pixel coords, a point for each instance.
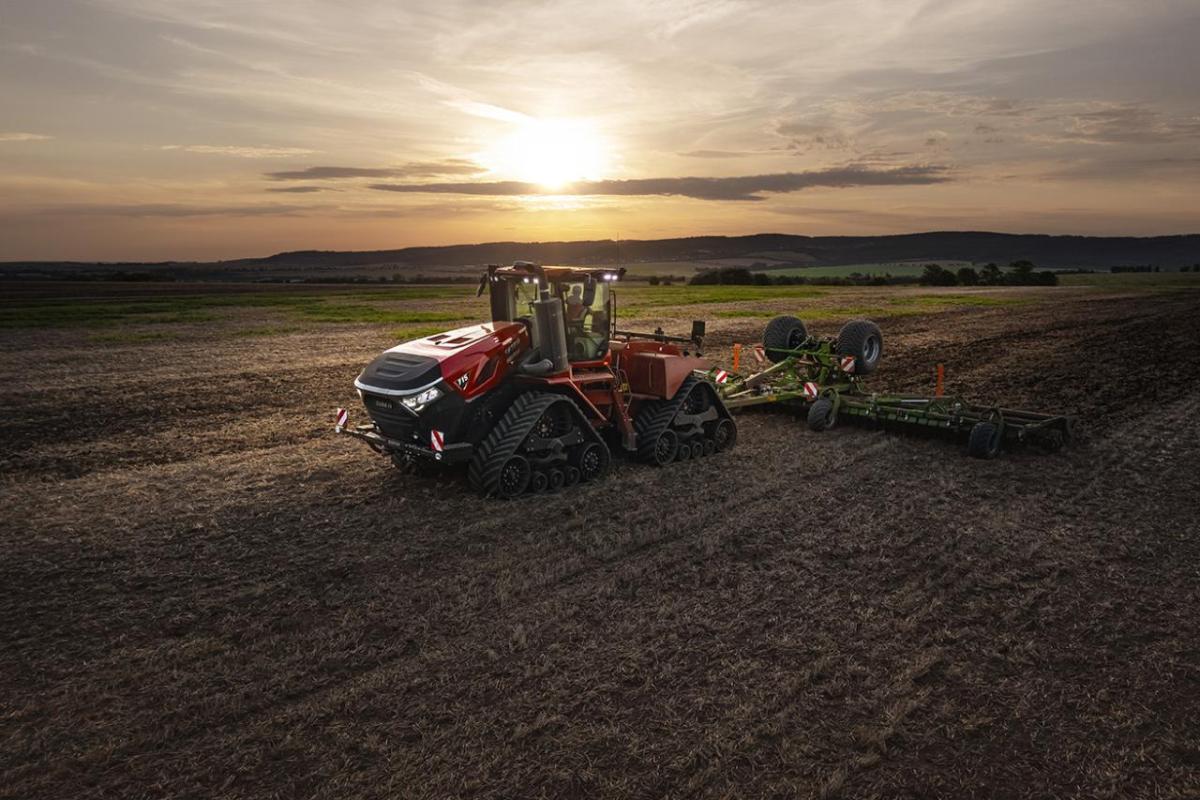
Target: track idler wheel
{"type": "Point", "coordinates": [592, 461]}
{"type": "Point", "coordinates": [725, 435]}
{"type": "Point", "coordinates": [514, 477]}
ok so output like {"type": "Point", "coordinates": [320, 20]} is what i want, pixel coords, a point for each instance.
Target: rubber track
{"type": "Point", "coordinates": [657, 416]}
{"type": "Point", "coordinates": [508, 434]}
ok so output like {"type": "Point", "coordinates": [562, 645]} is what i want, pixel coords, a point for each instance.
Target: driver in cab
{"type": "Point", "coordinates": [575, 306]}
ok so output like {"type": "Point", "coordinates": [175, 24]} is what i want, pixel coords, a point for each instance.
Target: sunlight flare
{"type": "Point", "coordinates": [549, 152]}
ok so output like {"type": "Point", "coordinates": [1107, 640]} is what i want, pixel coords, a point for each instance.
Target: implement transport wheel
{"type": "Point", "coordinates": [862, 339]}
{"type": "Point", "coordinates": [984, 441]}
{"type": "Point", "coordinates": [783, 334]}
{"type": "Point", "coordinates": [725, 436]}
{"type": "Point", "coordinates": [593, 461]}
{"type": "Point", "coordinates": [821, 415]}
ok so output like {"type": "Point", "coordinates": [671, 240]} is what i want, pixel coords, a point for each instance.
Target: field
{"type": "Point", "coordinates": [207, 594]}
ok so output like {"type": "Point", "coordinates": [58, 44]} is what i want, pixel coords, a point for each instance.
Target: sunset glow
{"type": "Point", "coordinates": [169, 129]}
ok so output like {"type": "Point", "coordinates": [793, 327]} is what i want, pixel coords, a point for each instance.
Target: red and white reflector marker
{"type": "Point", "coordinates": [847, 363]}
{"type": "Point", "coordinates": [759, 353]}
{"type": "Point", "coordinates": [438, 440]}
{"type": "Point", "coordinates": [340, 420]}
{"type": "Point", "coordinates": [811, 390]}
{"type": "Point", "coordinates": [721, 376]}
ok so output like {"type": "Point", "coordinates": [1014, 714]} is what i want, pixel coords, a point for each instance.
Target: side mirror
{"type": "Point", "coordinates": [483, 279]}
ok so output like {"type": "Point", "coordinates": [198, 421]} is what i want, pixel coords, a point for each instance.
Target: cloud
{"type": "Point", "coordinates": [299, 189]}
{"type": "Point", "coordinates": [170, 210]}
{"type": "Point", "coordinates": [747, 187]}
{"type": "Point", "coordinates": [1131, 125]}
{"type": "Point", "coordinates": [715, 154]}
{"type": "Point", "coordinates": [23, 137]}
{"type": "Point", "coordinates": [239, 151]}
{"type": "Point", "coordinates": [414, 169]}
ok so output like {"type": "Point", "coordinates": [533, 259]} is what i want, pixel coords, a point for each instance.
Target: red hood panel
{"type": "Point", "coordinates": [463, 341]}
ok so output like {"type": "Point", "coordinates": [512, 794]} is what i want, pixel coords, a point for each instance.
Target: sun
{"type": "Point", "coordinates": [549, 152]}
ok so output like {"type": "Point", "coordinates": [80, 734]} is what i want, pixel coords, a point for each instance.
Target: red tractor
{"type": "Point", "coordinates": [533, 400]}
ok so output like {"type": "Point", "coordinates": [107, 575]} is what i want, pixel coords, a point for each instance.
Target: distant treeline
{"type": "Point", "coordinates": [1019, 273]}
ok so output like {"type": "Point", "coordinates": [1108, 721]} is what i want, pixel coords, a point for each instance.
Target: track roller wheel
{"type": "Point", "coordinates": [539, 482]}
{"type": "Point", "coordinates": [514, 477]}
{"type": "Point", "coordinates": [592, 461]}
{"type": "Point", "coordinates": [684, 452]}
{"type": "Point", "coordinates": [710, 447]}
{"type": "Point", "coordinates": [697, 448]}
{"type": "Point", "coordinates": [984, 441]}
{"type": "Point", "coordinates": [558, 479]}
{"type": "Point", "coordinates": [570, 476]}
{"type": "Point", "coordinates": [725, 435]}
{"type": "Point", "coordinates": [821, 415]}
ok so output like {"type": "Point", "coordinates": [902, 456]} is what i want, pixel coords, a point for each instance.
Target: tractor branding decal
{"type": "Point", "coordinates": [721, 376]}
{"type": "Point", "coordinates": [463, 380]}
{"type": "Point", "coordinates": [847, 364]}
{"type": "Point", "coordinates": [811, 390]}
{"type": "Point", "coordinates": [342, 417]}
{"type": "Point", "coordinates": [438, 440]}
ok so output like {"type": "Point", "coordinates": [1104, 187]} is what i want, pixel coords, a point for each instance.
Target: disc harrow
{"type": "Point", "coordinates": [825, 378]}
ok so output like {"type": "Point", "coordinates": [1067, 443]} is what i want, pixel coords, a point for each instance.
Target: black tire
{"type": "Point", "coordinates": [984, 441]}
{"type": "Point", "coordinates": [725, 435]}
{"type": "Point", "coordinates": [782, 335]}
{"type": "Point", "coordinates": [862, 339]}
{"type": "Point", "coordinates": [514, 478]}
{"type": "Point", "coordinates": [821, 415]}
{"type": "Point", "coordinates": [593, 461]}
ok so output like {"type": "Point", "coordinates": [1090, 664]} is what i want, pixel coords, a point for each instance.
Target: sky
{"type": "Point", "coordinates": [206, 129]}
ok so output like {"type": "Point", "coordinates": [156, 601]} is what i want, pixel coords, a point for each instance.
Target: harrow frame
{"type": "Point", "coordinates": [816, 370]}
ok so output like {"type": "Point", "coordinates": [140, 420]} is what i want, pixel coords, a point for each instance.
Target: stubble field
{"type": "Point", "coordinates": [204, 593]}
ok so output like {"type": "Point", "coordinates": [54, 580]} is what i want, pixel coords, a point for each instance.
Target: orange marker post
{"type": "Point", "coordinates": [941, 375]}
{"type": "Point", "coordinates": [737, 356]}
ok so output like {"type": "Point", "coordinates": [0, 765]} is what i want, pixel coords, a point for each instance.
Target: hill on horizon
{"type": "Point", "coordinates": [772, 250]}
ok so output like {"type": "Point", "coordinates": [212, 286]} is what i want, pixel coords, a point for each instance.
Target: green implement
{"type": "Point", "coordinates": [826, 376]}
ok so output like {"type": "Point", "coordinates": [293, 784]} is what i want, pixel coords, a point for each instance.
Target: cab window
{"type": "Point", "coordinates": [586, 315]}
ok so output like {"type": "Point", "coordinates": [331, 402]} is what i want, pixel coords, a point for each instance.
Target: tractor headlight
{"type": "Point", "coordinates": [418, 401]}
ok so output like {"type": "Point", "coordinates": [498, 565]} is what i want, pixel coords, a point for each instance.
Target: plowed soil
{"type": "Point", "coordinates": [204, 593]}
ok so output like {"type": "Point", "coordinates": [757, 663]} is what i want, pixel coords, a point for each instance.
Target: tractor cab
{"type": "Point", "coordinates": [569, 311]}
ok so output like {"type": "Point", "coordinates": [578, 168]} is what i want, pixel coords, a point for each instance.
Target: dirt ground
{"type": "Point", "coordinates": [204, 593]}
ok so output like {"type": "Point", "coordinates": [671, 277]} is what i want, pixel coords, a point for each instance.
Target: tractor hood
{"type": "Point", "coordinates": [458, 357]}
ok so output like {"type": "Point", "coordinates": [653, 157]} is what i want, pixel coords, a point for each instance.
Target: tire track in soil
{"type": "Point", "coordinates": [637, 547]}
{"type": "Point", "coordinates": [629, 556]}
